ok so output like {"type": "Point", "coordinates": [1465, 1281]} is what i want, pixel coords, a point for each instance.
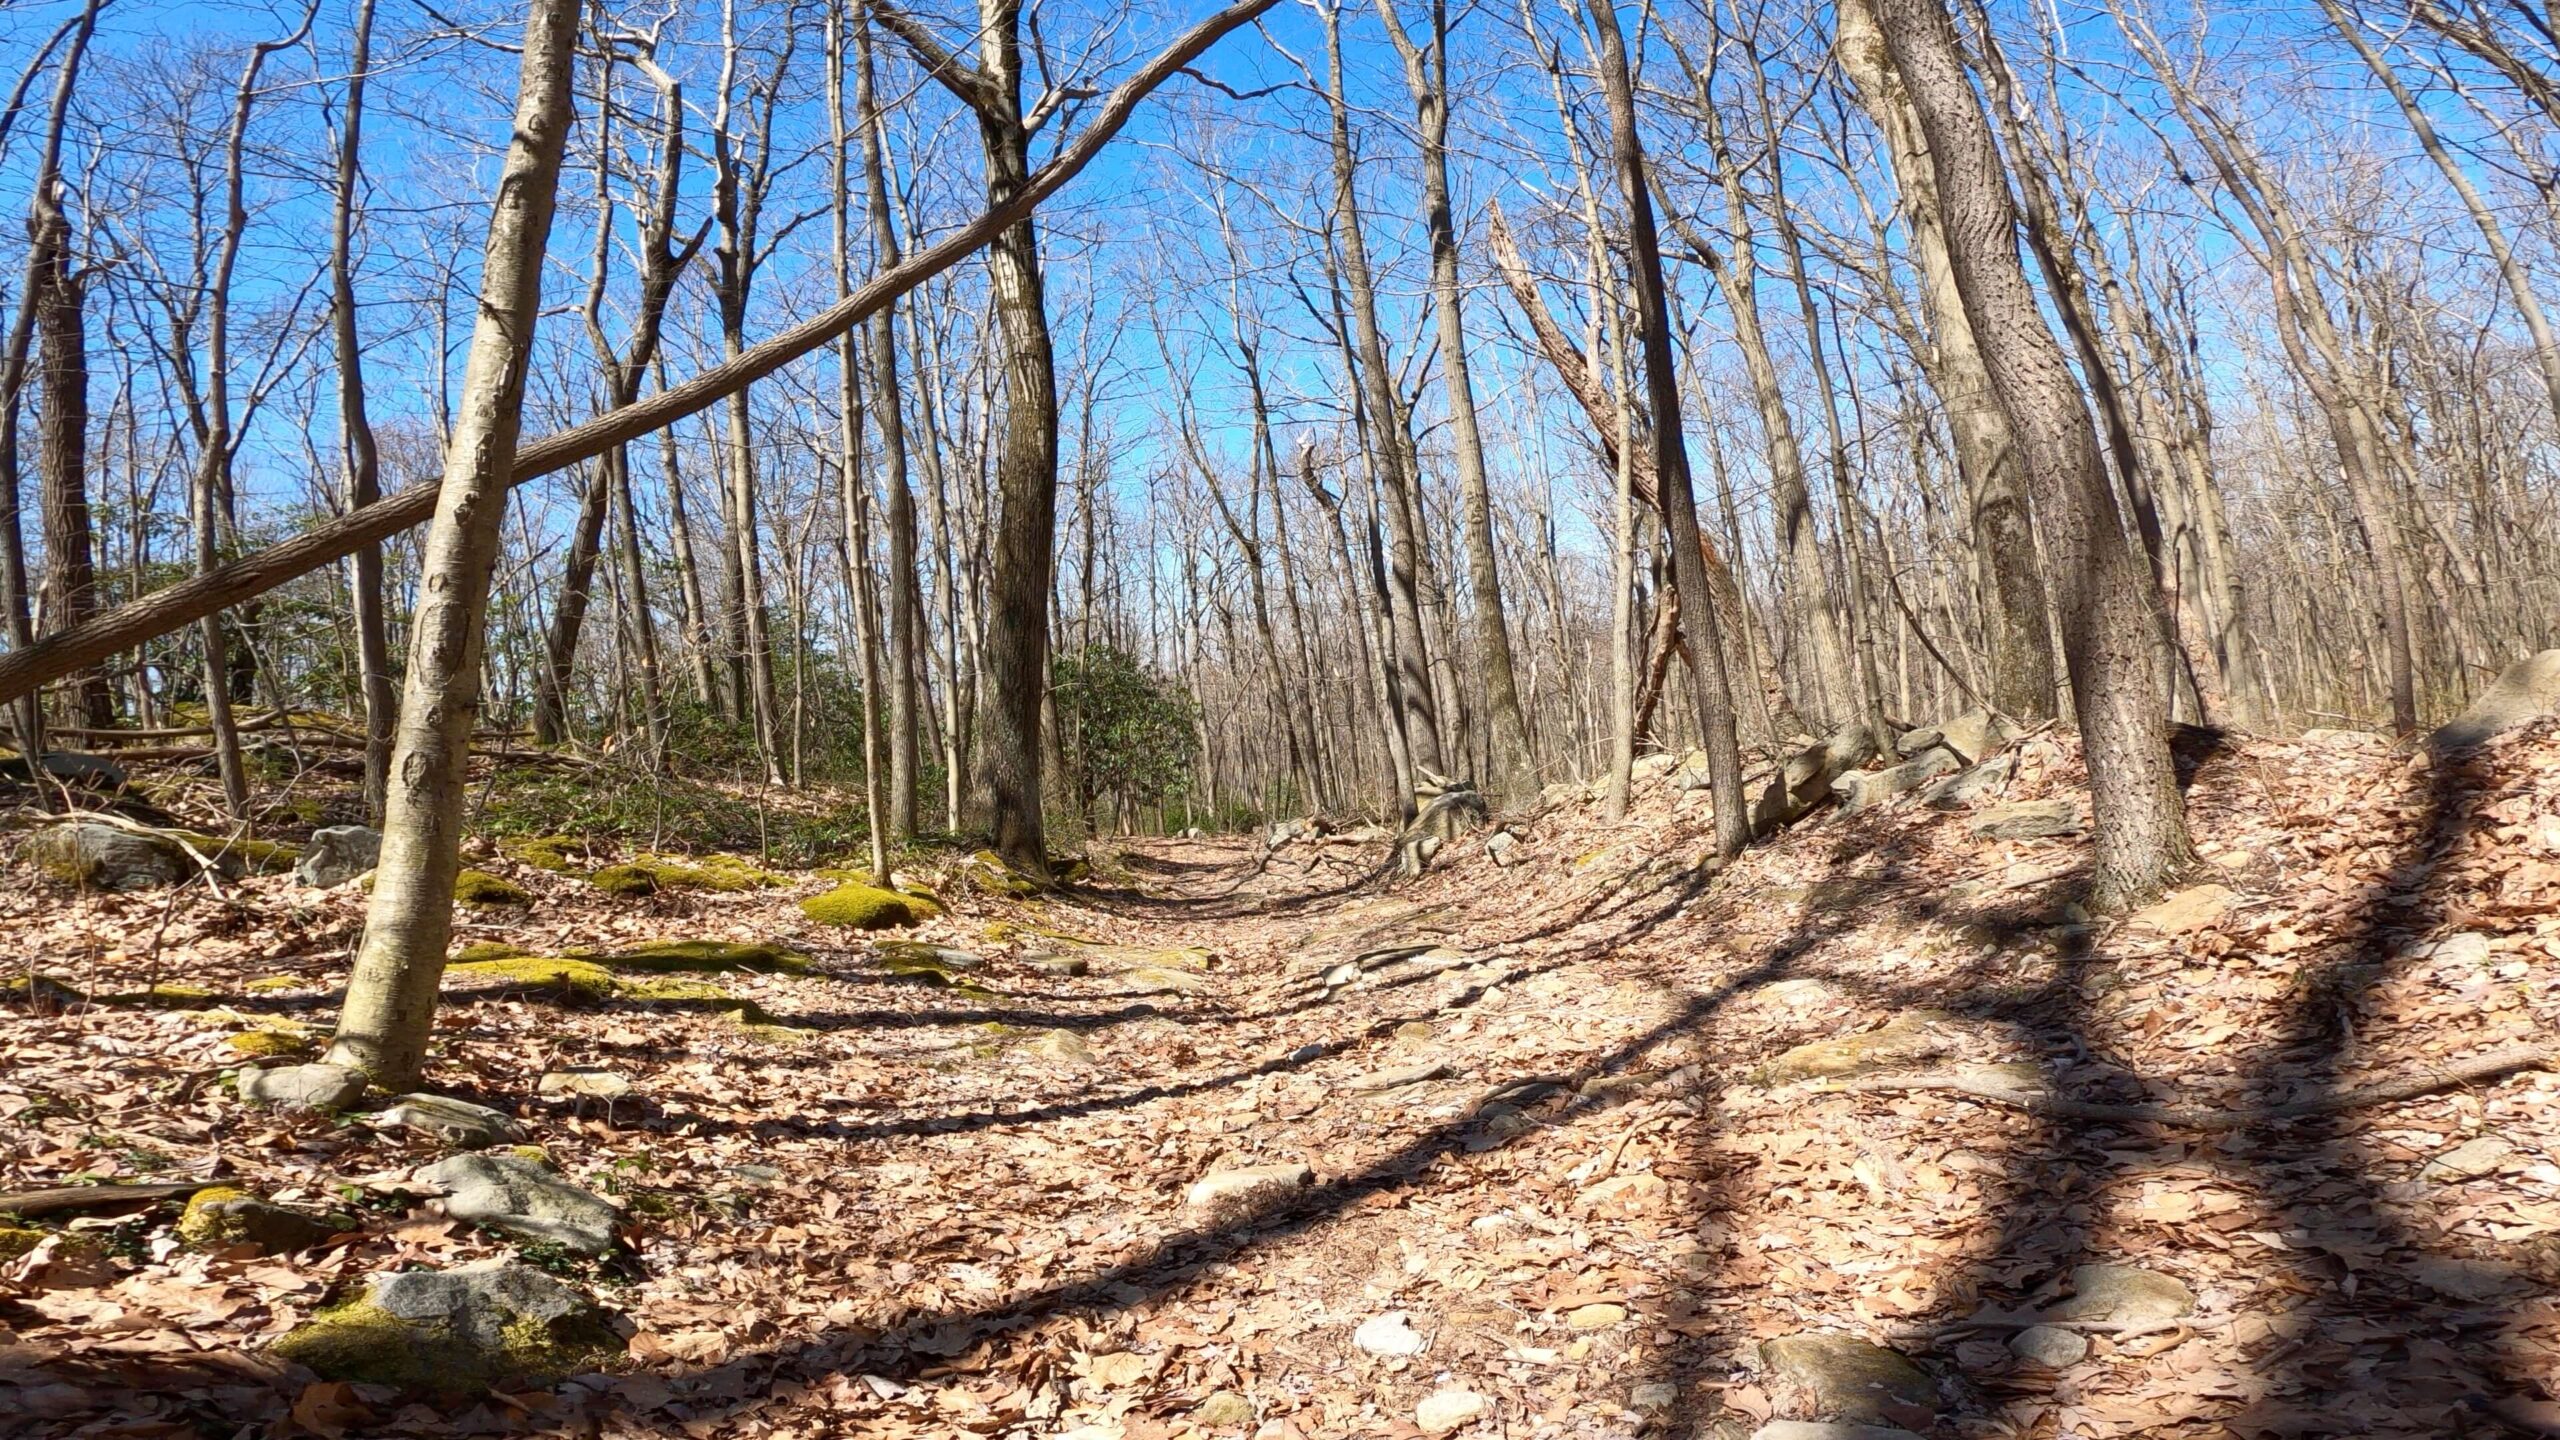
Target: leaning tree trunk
{"type": "Point", "coordinates": [390, 1004]}
{"type": "Point", "coordinates": [2107, 630]}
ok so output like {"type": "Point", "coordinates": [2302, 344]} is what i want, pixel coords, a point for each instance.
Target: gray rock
{"type": "Point", "coordinates": [583, 1082]}
{"type": "Point", "coordinates": [2027, 820]}
{"type": "Point", "coordinates": [1977, 735]}
{"type": "Point", "coordinates": [1960, 790]}
{"type": "Point", "coordinates": [1248, 1184]}
{"type": "Point", "coordinates": [1062, 965]}
{"type": "Point", "coordinates": [338, 854]}
{"type": "Point", "coordinates": [1064, 1046]}
{"type": "Point", "coordinates": [1849, 1379]}
{"type": "Point", "coordinates": [524, 1198]}
{"type": "Point", "coordinates": [2124, 1295]}
{"type": "Point", "coordinates": [224, 1220]}
{"type": "Point", "coordinates": [1502, 846]}
{"type": "Point", "coordinates": [302, 1087]}
{"type": "Point", "coordinates": [1806, 778]}
{"type": "Point", "coordinates": [2468, 948]}
{"type": "Point", "coordinates": [2528, 690]}
{"type": "Point", "coordinates": [104, 857]}
{"type": "Point", "coordinates": [1912, 742]}
{"type": "Point", "coordinates": [471, 1328]}
{"type": "Point", "coordinates": [85, 772]}
{"type": "Point", "coordinates": [2480, 1155]}
{"type": "Point", "coordinates": [1223, 1408]}
{"type": "Point", "coordinates": [2050, 1346]}
{"type": "Point", "coordinates": [1449, 1408]}
{"type": "Point", "coordinates": [455, 1122]}
{"type": "Point", "coordinates": [1860, 789]}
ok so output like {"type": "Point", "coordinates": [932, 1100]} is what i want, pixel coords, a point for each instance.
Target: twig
{"type": "Point", "coordinates": [2424, 1081]}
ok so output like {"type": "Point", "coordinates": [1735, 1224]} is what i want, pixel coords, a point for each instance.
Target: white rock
{"type": "Point", "coordinates": [1252, 1182]}
{"type": "Point", "coordinates": [2468, 948]}
{"type": "Point", "coordinates": [302, 1087]}
{"type": "Point", "coordinates": [1448, 1409]}
{"type": "Point", "coordinates": [456, 1122]}
{"type": "Point", "coordinates": [2473, 1158]}
{"type": "Point", "coordinates": [1390, 1334]}
{"type": "Point", "coordinates": [2050, 1346]}
{"type": "Point", "coordinates": [526, 1199]}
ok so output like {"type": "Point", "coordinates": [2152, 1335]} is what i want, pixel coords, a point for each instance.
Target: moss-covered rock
{"type": "Point", "coordinates": [649, 874]}
{"type": "Point", "coordinates": [166, 993]}
{"type": "Point", "coordinates": [465, 1330]}
{"type": "Point", "coordinates": [708, 957]}
{"type": "Point", "coordinates": [627, 881]}
{"type": "Point", "coordinates": [479, 887]}
{"type": "Point", "coordinates": [987, 871]}
{"type": "Point", "coordinates": [862, 907]}
{"type": "Point", "coordinates": [269, 984]}
{"type": "Point", "coordinates": [575, 979]}
{"type": "Point", "coordinates": [267, 1045]}
{"type": "Point", "coordinates": [559, 854]}
{"type": "Point", "coordinates": [480, 950]}
{"type": "Point", "coordinates": [244, 854]}
{"type": "Point", "coordinates": [223, 1218]}
{"type": "Point", "coordinates": [17, 1240]}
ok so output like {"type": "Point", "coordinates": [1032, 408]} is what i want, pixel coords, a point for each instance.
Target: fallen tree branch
{"type": "Point", "coordinates": [162, 611]}
{"type": "Point", "coordinates": [91, 1199]}
{"type": "Point", "coordinates": [2424, 1081]}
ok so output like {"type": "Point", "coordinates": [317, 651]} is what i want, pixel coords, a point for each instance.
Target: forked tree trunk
{"type": "Point", "coordinates": [390, 1006]}
{"type": "Point", "coordinates": [2098, 584]}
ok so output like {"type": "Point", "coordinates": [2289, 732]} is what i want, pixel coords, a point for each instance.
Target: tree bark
{"type": "Point", "coordinates": [390, 1005]}
{"type": "Point", "coordinates": [359, 454]}
{"type": "Point", "coordinates": [2107, 630]}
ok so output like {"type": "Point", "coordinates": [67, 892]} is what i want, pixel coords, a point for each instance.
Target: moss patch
{"type": "Point", "coordinates": [258, 857]}
{"type": "Point", "coordinates": [17, 1240]}
{"type": "Point", "coordinates": [479, 887]}
{"type": "Point", "coordinates": [987, 871]}
{"type": "Point", "coordinates": [708, 957]}
{"type": "Point", "coordinates": [480, 950]}
{"type": "Point", "coordinates": [165, 993]}
{"type": "Point", "coordinates": [266, 1044]}
{"type": "Point", "coordinates": [42, 990]}
{"type": "Point", "coordinates": [559, 854]}
{"type": "Point", "coordinates": [575, 979]}
{"type": "Point", "coordinates": [649, 874]}
{"type": "Point", "coordinates": [269, 984]}
{"type": "Point", "coordinates": [862, 907]}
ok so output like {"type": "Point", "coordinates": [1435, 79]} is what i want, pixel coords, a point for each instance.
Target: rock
{"type": "Point", "coordinates": [302, 1087]}
{"type": "Point", "coordinates": [1594, 1317]}
{"type": "Point", "coordinates": [1849, 1379]}
{"type": "Point", "coordinates": [1655, 1396]}
{"type": "Point", "coordinates": [526, 1199]}
{"type": "Point", "coordinates": [84, 772]}
{"type": "Point", "coordinates": [1450, 815]}
{"type": "Point", "coordinates": [1223, 1408]}
{"type": "Point", "coordinates": [469, 1329]}
{"type": "Point", "coordinates": [1160, 980]}
{"type": "Point", "coordinates": [2473, 1158]}
{"type": "Point", "coordinates": [584, 1082]}
{"type": "Point", "coordinates": [1384, 1080]}
{"type": "Point", "coordinates": [104, 857]}
{"type": "Point", "coordinates": [2468, 948]}
{"type": "Point", "coordinates": [1248, 1185]}
{"type": "Point", "coordinates": [1859, 789]}
{"type": "Point", "coordinates": [1829, 1430]}
{"type": "Point", "coordinates": [458, 1123]}
{"type": "Point", "coordinates": [2027, 820]}
{"type": "Point", "coordinates": [1912, 742]}
{"type": "Point", "coordinates": [2198, 907]}
{"type": "Point", "coordinates": [338, 854]}
{"type": "Point", "coordinates": [1918, 1036]}
{"type": "Point", "coordinates": [2124, 1295]}
{"type": "Point", "coordinates": [1806, 778]}
{"type": "Point", "coordinates": [2050, 1346]}
{"type": "Point", "coordinates": [1059, 965]}
{"type": "Point", "coordinates": [2528, 690]}
{"type": "Point", "coordinates": [1390, 1335]}
{"type": "Point", "coordinates": [1978, 734]}
{"type": "Point", "coordinates": [221, 1218]}
{"type": "Point", "coordinates": [1448, 1409]}
{"type": "Point", "coordinates": [1960, 790]}
{"type": "Point", "coordinates": [1503, 846]}
{"type": "Point", "coordinates": [1064, 1046]}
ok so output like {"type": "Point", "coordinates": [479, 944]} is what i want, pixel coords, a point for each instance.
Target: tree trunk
{"type": "Point", "coordinates": [391, 994]}
{"type": "Point", "coordinates": [2107, 629]}
{"type": "Point", "coordinates": [362, 459]}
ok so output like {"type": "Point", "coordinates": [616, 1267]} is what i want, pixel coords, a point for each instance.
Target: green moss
{"type": "Point", "coordinates": [165, 993]}
{"type": "Point", "coordinates": [533, 1153]}
{"type": "Point", "coordinates": [258, 857]}
{"type": "Point", "coordinates": [846, 875]}
{"type": "Point", "coordinates": [359, 1341]}
{"type": "Point", "coordinates": [479, 887]}
{"type": "Point", "coordinates": [43, 989]}
{"type": "Point", "coordinates": [207, 1229]}
{"type": "Point", "coordinates": [862, 907]}
{"type": "Point", "coordinates": [577, 979]}
{"type": "Point", "coordinates": [555, 853]}
{"type": "Point", "coordinates": [262, 1044]}
{"type": "Point", "coordinates": [480, 950]}
{"type": "Point", "coordinates": [987, 870]}
{"type": "Point", "coordinates": [269, 984]}
{"type": "Point", "coordinates": [708, 957]}
{"type": "Point", "coordinates": [698, 995]}
{"type": "Point", "coordinates": [726, 874]}
{"type": "Point", "coordinates": [17, 1240]}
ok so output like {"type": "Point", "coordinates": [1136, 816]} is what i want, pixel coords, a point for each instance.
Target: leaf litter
{"type": "Point", "coordinates": [1549, 1164]}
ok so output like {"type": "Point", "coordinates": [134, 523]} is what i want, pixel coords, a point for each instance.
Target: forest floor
{"type": "Point", "coordinates": [1557, 1186]}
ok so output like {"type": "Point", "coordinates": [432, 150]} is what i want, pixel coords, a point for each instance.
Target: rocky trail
{"type": "Point", "coordinates": [1571, 1136]}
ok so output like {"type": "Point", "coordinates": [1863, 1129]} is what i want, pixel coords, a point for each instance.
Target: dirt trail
{"type": "Point", "coordinates": [1553, 1182]}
